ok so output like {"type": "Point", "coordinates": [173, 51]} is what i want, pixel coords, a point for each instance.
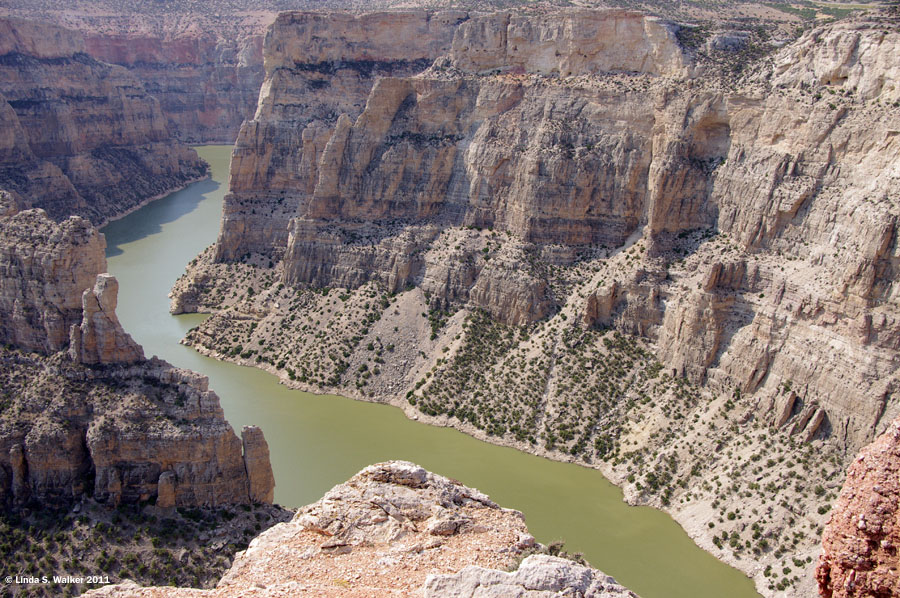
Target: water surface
{"type": "Point", "coordinates": [319, 441]}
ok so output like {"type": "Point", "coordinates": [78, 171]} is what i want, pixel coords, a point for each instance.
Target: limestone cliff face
{"type": "Point", "coordinates": [44, 269]}
{"type": "Point", "coordinates": [453, 541]}
{"type": "Point", "coordinates": [569, 43]}
{"type": "Point", "coordinates": [317, 67]}
{"type": "Point", "coordinates": [463, 150]}
{"type": "Point", "coordinates": [783, 169]}
{"type": "Point", "coordinates": [123, 429]}
{"type": "Point", "coordinates": [207, 81]}
{"type": "Point", "coordinates": [803, 194]}
{"type": "Point", "coordinates": [83, 136]}
{"type": "Point", "coordinates": [859, 546]}
{"type": "Point", "coordinates": [849, 56]}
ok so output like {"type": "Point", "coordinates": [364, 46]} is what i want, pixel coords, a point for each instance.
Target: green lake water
{"type": "Point", "coordinates": [319, 441]}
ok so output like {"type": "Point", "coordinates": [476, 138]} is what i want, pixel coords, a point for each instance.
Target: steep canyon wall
{"type": "Point", "coordinates": [525, 128]}
{"type": "Point", "coordinates": [205, 72]}
{"type": "Point", "coordinates": [82, 412]}
{"type": "Point", "coordinates": [318, 67]}
{"type": "Point", "coordinates": [80, 136]}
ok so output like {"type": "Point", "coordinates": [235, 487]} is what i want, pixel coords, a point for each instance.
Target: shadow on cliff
{"type": "Point", "coordinates": [149, 219]}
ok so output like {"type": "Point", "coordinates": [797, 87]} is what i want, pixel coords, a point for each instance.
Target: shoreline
{"type": "Point", "coordinates": [149, 200]}
{"type": "Point", "coordinates": [605, 469]}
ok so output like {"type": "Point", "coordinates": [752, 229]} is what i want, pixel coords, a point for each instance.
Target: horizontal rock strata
{"type": "Point", "coordinates": [665, 257]}
{"type": "Point", "coordinates": [205, 72]}
{"type": "Point", "coordinates": [80, 136]}
{"type": "Point", "coordinates": [318, 66]}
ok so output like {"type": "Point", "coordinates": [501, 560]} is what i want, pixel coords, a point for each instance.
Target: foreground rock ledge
{"type": "Point", "coordinates": [395, 529]}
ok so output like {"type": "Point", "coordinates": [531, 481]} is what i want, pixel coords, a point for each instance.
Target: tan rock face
{"type": "Point", "coordinates": [318, 66]}
{"type": "Point", "coordinates": [859, 546]}
{"type": "Point", "coordinates": [849, 56]}
{"type": "Point", "coordinates": [206, 79]}
{"type": "Point", "coordinates": [545, 163]}
{"type": "Point", "coordinates": [20, 36]}
{"type": "Point", "coordinates": [125, 429]}
{"type": "Point", "coordinates": [396, 529]}
{"type": "Point", "coordinates": [568, 43]}
{"type": "Point", "coordinates": [100, 338]}
{"type": "Point", "coordinates": [85, 137]}
{"type": "Point", "coordinates": [45, 268]}
{"type": "Point", "coordinates": [257, 465]}
{"type": "Point", "coordinates": [118, 433]}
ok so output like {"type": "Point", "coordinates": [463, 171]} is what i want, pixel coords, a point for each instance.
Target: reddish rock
{"type": "Point", "coordinates": [81, 136]}
{"type": "Point", "coordinates": [859, 546]}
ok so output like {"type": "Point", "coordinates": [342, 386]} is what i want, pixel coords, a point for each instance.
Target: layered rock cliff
{"type": "Point", "coordinates": [859, 546]}
{"type": "Point", "coordinates": [318, 66]}
{"type": "Point", "coordinates": [80, 136]}
{"type": "Point", "coordinates": [662, 262]}
{"type": "Point", "coordinates": [206, 72]}
{"type": "Point", "coordinates": [83, 413]}
{"type": "Point", "coordinates": [396, 529]}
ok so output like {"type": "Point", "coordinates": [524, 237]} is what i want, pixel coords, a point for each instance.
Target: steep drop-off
{"type": "Point", "coordinates": [395, 529]}
{"type": "Point", "coordinates": [318, 66]}
{"type": "Point", "coordinates": [82, 412]}
{"type": "Point", "coordinates": [575, 235]}
{"type": "Point", "coordinates": [80, 136]}
{"type": "Point", "coordinates": [206, 72]}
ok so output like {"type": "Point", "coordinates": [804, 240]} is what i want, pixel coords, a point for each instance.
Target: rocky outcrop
{"type": "Point", "coordinates": [257, 464]}
{"type": "Point", "coordinates": [100, 338]}
{"type": "Point", "coordinates": [859, 545]}
{"type": "Point", "coordinates": [396, 529]}
{"type": "Point", "coordinates": [83, 413]}
{"type": "Point", "coordinates": [44, 269]}
{"type": "Point", "coordinates": [851, 56]}
{"type": "Point", "coordinates": [537, 575]}
{"type": "Point", "coordinates": [317, 67]}
{"type": "Point", "coordinates": [83, 137]}
{"type": "Point", "coordinates": [118, 434]}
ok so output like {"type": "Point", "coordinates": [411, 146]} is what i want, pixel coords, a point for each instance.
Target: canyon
{"type": "Point", "coordinates": [664, 251]}
{"type": "Point", "coordinates": [672, 258]}
{"type": "Point", "coordinates": [83, 140]}
{"type": "Point", "coordinates": [80, 136]}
